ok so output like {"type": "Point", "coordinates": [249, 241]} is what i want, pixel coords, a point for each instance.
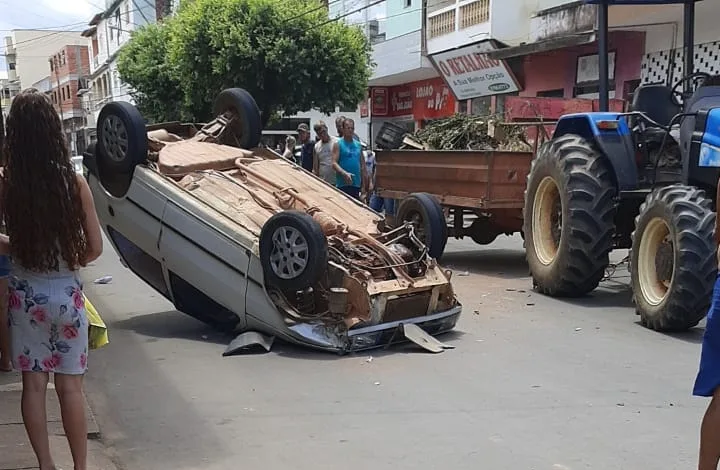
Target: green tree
{"type": "Point", "coordinates": [143, 65]}
{"type": "Point", "coordinates": [286, 53]}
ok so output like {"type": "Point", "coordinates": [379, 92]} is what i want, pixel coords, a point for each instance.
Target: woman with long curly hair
{"type": "Point", "coordinates": [53, 230]}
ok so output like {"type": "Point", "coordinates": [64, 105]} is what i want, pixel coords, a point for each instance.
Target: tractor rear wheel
{"type": "Point", "coordinates": [673, 264]}
{"type": "Point", "coordinates": [569, 216]}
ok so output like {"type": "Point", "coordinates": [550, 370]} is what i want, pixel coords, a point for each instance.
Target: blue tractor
{"type": "Point", "coordinates": [644, 180]}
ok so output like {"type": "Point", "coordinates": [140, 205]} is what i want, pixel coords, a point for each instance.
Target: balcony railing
{"type": "Point", "coordinates": [460, 15]}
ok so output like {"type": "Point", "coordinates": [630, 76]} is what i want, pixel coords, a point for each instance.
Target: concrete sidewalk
{"type": "Point", "coordinates": [15, 450]}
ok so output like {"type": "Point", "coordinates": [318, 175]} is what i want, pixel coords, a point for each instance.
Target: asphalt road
{"type": "Point", "coordinates": [534, 383]}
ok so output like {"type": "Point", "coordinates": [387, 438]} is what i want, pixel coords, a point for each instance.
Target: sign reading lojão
{"type": "Point", "coordinates": [470, 73]}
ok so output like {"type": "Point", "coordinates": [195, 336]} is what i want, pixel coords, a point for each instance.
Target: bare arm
{"type": "Point", "coordinates": [91, 225]}
{"type": "Point", "coordinates": [316, 161]}
{"type": "Point", "coordinates": [336, 159]}
{"type": "Point", "coordinates": [363, 173]}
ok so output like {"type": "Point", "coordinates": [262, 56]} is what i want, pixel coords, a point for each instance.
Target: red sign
{"type": "Point", "coordinates": [379, 105]}
{"type": "Point", "coordinates": [432, 99]}
{"type": "Point", "coordinates": [426, 99]}
{"type": "Point", "coordinates": [364, 108]}
{"type": "Point", "coordinates": [401, 101]}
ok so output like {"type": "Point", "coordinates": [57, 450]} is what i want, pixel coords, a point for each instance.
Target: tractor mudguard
{"type": "Point", "coordinates": [701, 135]}
{"type": "Point", "coordinates": [615, 144]}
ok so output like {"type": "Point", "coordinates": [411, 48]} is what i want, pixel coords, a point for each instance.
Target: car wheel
{"type": "Point", "coordinates": [426, 214]}
{"type": "Point", "coordinates": [293, 251]}
{"type": "Point", "coordinates": [246, 127]}
{"type": "Point", "coordinates": [122, 139]}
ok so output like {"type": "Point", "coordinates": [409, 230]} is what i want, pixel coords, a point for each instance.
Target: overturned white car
{"type": "Point", "coordinates": [249, 242]}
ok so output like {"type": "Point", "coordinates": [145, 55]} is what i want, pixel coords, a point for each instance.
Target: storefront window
{"type": "Point", "coordinates": [481, 106]}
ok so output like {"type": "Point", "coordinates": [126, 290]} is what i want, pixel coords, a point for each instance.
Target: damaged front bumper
{"type": "Point", "coordinates": [321, 336]}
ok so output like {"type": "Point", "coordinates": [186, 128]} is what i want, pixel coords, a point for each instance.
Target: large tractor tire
{"type": "Point", "coordinates": [673, 261]}
{"type": "Point", "coordinates": [570, 206]}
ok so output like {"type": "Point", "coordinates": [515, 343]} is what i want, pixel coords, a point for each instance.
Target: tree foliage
{"type": "Point", "coordinates": [286, 53]}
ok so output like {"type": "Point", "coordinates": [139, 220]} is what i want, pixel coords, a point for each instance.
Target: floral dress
{"type": "Point", "coordinates": [48, 323]}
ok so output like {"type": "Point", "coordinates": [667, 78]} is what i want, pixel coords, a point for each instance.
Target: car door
{"type": "Point", "coordinates": [133, 223]}
{"type": "Point", "coordinates": [206, 264]}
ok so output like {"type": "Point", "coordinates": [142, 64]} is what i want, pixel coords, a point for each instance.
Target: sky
{"type": "Point", "coordinates": [45, 14]}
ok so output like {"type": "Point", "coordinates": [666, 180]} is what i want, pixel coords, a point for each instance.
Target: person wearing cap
{"type": "Point", "coordinates": [304, 148]}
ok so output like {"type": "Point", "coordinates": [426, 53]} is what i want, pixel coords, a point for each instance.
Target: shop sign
{"type": "Point", "coordinates": [401, 101]}
{"type": "Point", "coordinates": [379, 104]}
{"type": "Point", "coordinates": [432, 99]}
{"type": "Point", "coordinates": [471, 73]}
{"type": "Point", "coordinates": [365, 108]}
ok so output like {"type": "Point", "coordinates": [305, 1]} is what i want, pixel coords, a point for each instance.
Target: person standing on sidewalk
{"type": "Point", "coordinates": [305, 147]}
{"type": "Point", "coordinates": [707, 382]}
{"type": "Point", "coordinates": [323, 154]}
{"type": "Point", "coordinates": [349, 163]}
{"type": "Point", "coordinates": [53, 230]}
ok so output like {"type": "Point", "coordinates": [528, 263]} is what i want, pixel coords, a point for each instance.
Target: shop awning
{"type": "Point", "coordinates": [577, 39]}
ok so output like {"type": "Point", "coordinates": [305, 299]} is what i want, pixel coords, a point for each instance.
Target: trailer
{"type": "Point", "coordinates": [481, 192]}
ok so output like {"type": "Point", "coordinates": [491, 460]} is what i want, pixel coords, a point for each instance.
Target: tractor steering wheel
{"type": "Point", "coordinates": [700, 77]}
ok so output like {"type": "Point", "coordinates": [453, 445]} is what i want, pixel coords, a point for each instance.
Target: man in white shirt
{"type": "Point", "coordinates": [322, 153]}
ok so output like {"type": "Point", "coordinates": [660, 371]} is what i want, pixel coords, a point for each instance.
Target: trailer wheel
{"type": "Point", "coordinates": [293, 251]}
{"type": "Point", "coordinates": [673, 264]}
{"type": "Point", "coordinates": [246, 126]}
{"type": "Point", "coordinates": [569, 217]}
{"type": "Point", "coordinates": [483, 231]}
{"type": "Point", "coordinates": [428, 218]}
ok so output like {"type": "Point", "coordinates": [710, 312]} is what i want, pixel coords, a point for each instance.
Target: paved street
{"type": "Point", "coordinates": [535, 383]}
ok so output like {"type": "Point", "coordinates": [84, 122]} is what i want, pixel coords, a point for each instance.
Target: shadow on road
{"type": "Point", "coordinates": [172, 324]}
{"type": "Point", "coordinates": [177, 325]}
{"type": "Point", "coordinates": [693, 336]}
{"type": "Point", "coordinates": [145, 418]}
{"type": "Point", "coordinates": [499, 263]}
{"type": "Point", "coordinates": [609, 294]}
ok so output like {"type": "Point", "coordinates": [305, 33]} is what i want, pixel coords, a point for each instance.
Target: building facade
{"type": "Point", "coordinates": [550, 46]}
{"type": "Point", "coordinates": [69, 68]}
{"type": "Point", "coordinates": [108, 32]}
{"type": "Point", "coordinates": [26, 53]}
{"type": "Point", "coordinates": [405, 87]}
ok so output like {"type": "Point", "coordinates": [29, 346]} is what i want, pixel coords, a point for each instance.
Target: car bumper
{"type": "Point", "coordinates": [376, 336]}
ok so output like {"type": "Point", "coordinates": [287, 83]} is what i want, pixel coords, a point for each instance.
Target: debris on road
{"type": "Point", "coordinates": [103, 280]}
{"type": "Point", "coordinates": [247, 342]}
{"type": "Point", "coordinates": [418, 336]}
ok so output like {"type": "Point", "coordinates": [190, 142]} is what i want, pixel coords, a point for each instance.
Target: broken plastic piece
{"type": "Point", "coordinates": [104, 280]}
{"type": "Point", "coordinates": [246, 342]}
{"type": "Point", "coordinates": [418, 336]}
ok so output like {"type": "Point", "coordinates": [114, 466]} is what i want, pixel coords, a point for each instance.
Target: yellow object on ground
{"type": "Point", "coordinates": [98, 336]}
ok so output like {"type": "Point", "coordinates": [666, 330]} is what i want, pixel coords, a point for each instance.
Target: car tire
{"type": "Point", "coordinates": [246, 128]}
{"type": "Point", "coordinates": [293, 251]}
{"type": "Point", "coordinates": [121, 138]}
{"type": "Point", "coordinates": [427, 215]}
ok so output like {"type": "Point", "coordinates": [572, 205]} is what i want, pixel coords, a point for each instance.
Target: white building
{"type": "Point", "coordinates": [109, 31]}
{"type": "Point", "coordinates": [26, 53]}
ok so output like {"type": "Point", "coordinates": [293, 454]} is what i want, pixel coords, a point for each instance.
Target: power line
{"type": "Point", "coordinates": [345, 15]}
